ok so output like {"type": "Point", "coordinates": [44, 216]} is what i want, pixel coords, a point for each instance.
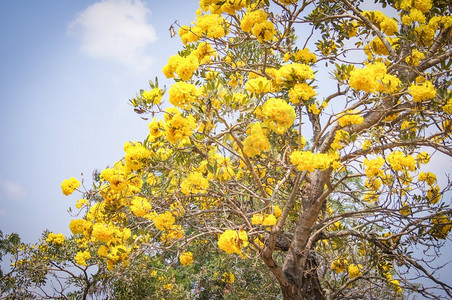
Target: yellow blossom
{"type": "Point", "coordinates": [82, 257]}
{"type": "Point", "coordinates": [194, 183]}
{"type": "Point", "coordinates": [232, 241]}
{"type": "Point", "coordinates": [164, 221]}
{"type": "Point", "coordinates": [186, 258]}
{"type": "Point", "coordinates": [70, 185]}
{"type": "Point", "coordinates": [228, 277]}
{"type": "Point", "coordinates": [55, 238]}
{"type": "Point", "coordinates": [354, 270]}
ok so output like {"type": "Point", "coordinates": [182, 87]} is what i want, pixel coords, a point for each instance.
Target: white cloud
{"type": "Point", "coordinates": [117, 30]}
{"type": "Point", "coordinates": [11, 190]}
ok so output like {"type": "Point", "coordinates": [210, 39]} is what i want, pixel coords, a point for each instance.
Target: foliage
{"type": "Point", "coordinates": [261, 178]}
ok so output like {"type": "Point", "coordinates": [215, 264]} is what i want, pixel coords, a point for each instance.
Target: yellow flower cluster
{"type": "Point", "coordinates": [434, 194]}
{"type": "Point", "coordinates": [266, 219]}
{"type": "Point", "coordinates": [256, 141]}
{"type": "Point", "coordinates": [212, 26]}
{"type": "Point", "coordinates": [354, 270]}
{"type": "Point", "coordinates": [117, 179]}
{"type": "Point", "coordinates": [385, 24]}
{"type": "Point", "coordinates": [177, 127]}
{"type": "Point", "coordinates": [69, 186]}
{"type": "Point", "coordinates": [422, 92]}
{"type": "Point", "coordinates": [182, 94]}
{"type": "Point", "coordinates": [81, 257]}
{"type": "Point", "coordinates": [80, 226]}
{"type": "Point", "coordinates": [140, 207]}
{"type": "Point", "coordinates": [426, 32]}
{"type": "Point", "coordinates": [294, 73]}
{"type": "Point", "coordinates": [263, 219]}
{"type": "Point", "coordinates": [308, 161]}
{"type": "Point", "coordinates": [194, 183]}
{"type": "Point", "coordinates": [110, 234]}
{"type": "Point", "coordinates": [228, 277]}
{"type": "Point", "coordinates": [401, 162]}
{"type": "Point", "coordinates": [204, 52]}
{"type": "Point", "coordinates": [55, 238]}
{"type": "Point", "coordinates": [422, 5]}
{"type": "Point", "coordinates": [258, 85]}
{"type": "Point", "coordinates": [303, 55]}
{"type": "Point", "coordinates": [81, 202]}
{"type": "Point", "coordinates": [155, 130]}
{"type": "Point", "coordinates": [447, 108]}
{"type": "Point", "coordinates": [208, 25]}
{"type": "Point", "coordinates": [373, 78]}
{"type": "Point", "coordinates": [136, 155]}
{"type": "Point", "coordinates": [221, 6]}
{"type": "Point", "coordinates": [378, 47]}
{"type": "Point", "coordinates": [164, 221]}
{"type": "Point", "coordinates": [350, 118]}
{"type": "Point", "coordinates": [339, 265]}
{"type": "Point", "coordinates": [301, 91]}
{"type": "Point", "coordinates": [186, 258]}
{"type": "Point", "coordinates": [114, 254]}
{"type": "Point", "coordinates": [415, 15]}
{"type": "Point", "coordinates": [373, 167]}
{"type": "Point", "coordinates": [441, 226]}
{"type": "Point", "coordinates": [183, 67]}
{"type": "Point", "coordinates": [423, 157]}
{"type": "Point", "coordinates": [414, 58]}
{"type": "Point", "coordinates": [153, 96]}
{"type": "Point", "coordinates": [232, 241]}
{"type": "Point", "coordinates": [278, 115]}
{"type": "Point", "coordinates": [428, 177]}
{"type": "Point", "coordinates": [257, 23]}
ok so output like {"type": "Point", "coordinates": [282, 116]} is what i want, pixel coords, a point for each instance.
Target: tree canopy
{"type": "Point", "coordinates": [288, 159]}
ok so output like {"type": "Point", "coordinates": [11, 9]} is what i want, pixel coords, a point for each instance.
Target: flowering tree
{"type": "Point", "coordinates": [259, 161]}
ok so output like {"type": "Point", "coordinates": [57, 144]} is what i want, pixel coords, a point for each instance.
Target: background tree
{"type": "Point", "coordinates": [264, 165]}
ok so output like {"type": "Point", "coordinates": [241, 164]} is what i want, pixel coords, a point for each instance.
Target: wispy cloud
{"type": "Point", "coordinates": [11, 190]}
{"type": "Point", "coordinates": [117, 30]}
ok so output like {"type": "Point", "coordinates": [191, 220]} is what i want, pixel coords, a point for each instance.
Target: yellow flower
{"type": "Point", "coordinates": [186, 258]}
{"type": "Point", "coordinates": [79, 204]}
{"type": "Point", "coordinates": [164, 221]}
{"type": "Point", "coordinates": [81, 257]}
{"type": "Point", "coordinates": [194, 183]}
{"type": "Point", "coordinates": [177, 127]}
{"type": "Point", "coordinates": [278, 115]}
{"type": "Point", "coordinates": [354, 270]}
{"type": "Point", "coordinates": [232, 241]}
{"type": "Point", "coordinates": [339, 265]}
{"type": "Point", "coordinates": [153, 96]}
{"type": "Point", "coordinates": [441, 226]}
{"type": "Point", "coordinates": [422, 92]}
{"type": "Point", "coordinates": [70, 185]}
{"type": "Point", "coordinates": [301, 91]}
{"type": "Point", "coordinates": [269, 220]}
{"type": "Point", "coordinates": [256, 141]}
{"type": "Point", "coordinates": [258, 85]}
{"type": "Point", "coordinates": [182, 94]}
{"type": "Point", "coordinates": [350, 118]}
{"type": "Point", "coordinates": [80, 226]}
{"type": "Point", "coordinates": [228, 277]}
{"type": "Point", "coordinates": [55, 238]}
{"type": "Point", "coordinates": [308, 161]}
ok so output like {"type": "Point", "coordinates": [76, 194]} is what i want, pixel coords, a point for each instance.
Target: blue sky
{"type": "Point", "coordinates": [67, 71]}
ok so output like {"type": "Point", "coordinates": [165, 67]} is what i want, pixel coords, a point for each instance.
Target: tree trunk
{"type": "Point", "coordinates": [307, 286]}
{"type": "Point", "coordinates": [300, 266]}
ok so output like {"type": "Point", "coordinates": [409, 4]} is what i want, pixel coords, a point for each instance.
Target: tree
{"type": "Point", "coordinates": [263, 164]}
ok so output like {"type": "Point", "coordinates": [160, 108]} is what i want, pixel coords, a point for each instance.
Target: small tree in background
{"type": "Point", "coordinates": [263, 178]}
